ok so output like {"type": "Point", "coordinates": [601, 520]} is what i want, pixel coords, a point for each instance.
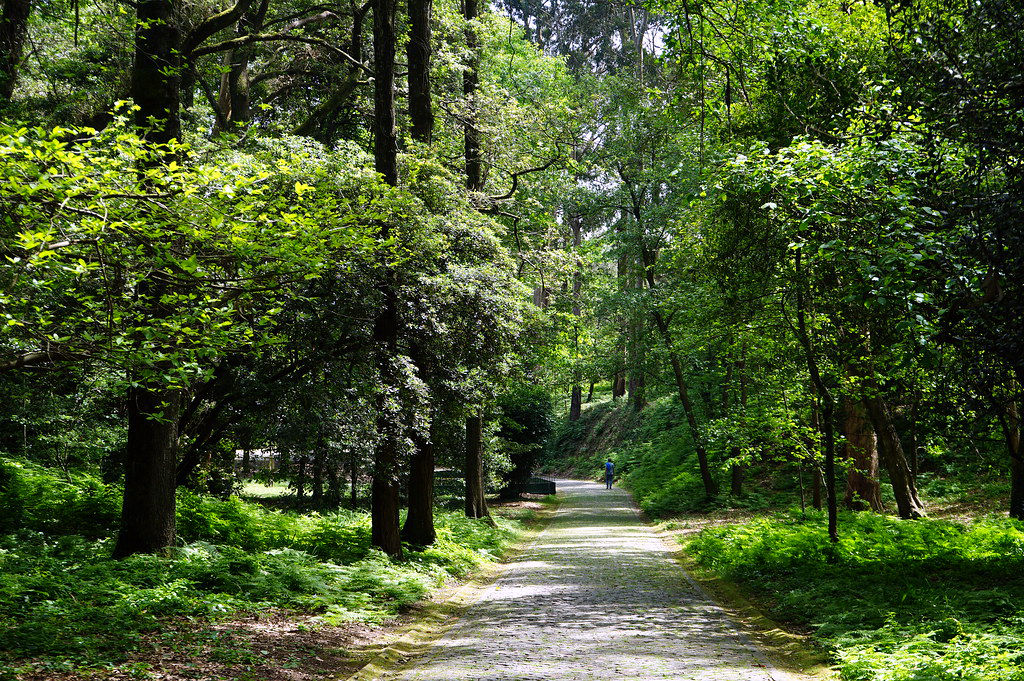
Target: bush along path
{"type": "Point", "coordinates": [597, 596]}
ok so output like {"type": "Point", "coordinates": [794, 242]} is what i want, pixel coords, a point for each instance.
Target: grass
{"type": "Point", "coordinates": [66, 607]}
{"type": "Point", "coordinates": [929, 600]}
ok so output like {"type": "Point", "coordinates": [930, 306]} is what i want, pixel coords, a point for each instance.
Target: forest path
{"type": "Point", "coordinates": [597, 596]}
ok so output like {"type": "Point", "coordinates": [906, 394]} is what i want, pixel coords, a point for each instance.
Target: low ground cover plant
{"type": "Point", "coordinates": [895, 600]}
{"type": "Point", "coordinates": [65, 605]}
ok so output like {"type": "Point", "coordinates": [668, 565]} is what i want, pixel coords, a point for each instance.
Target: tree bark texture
{"type": "Point", "coordinates": [384, 532]}
{"type": "Point", "coordinates": [13, 32]}
{"type": "Point", "coordinates": [156, 74]}
{"type": "Point", "coordinates": [891, 454]}
{"type": "Point", "coordinates": [470, 83]}
{"type": "Point", "coordinates": [476, 504]}
{"type": "Point", "coordinates": [147, 509]}
{"type": "Point", "coordinates": [385, 141]}
{"type": "Point", "coordinates": [861, 449]}
{"type": "Point", "coordinates": [419, 524]}
{"type": "Point", "coordinates": [421, 113]}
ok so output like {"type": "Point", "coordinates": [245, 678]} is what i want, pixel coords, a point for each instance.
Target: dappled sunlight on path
{"type": "Point", "coordinates": [596, 597]}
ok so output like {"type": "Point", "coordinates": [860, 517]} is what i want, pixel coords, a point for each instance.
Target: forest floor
{"type": "Point", "coordinates": [273, 644]}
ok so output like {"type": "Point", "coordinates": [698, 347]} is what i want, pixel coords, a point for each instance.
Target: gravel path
{"type": "Point", "coordinates": [596, 597]}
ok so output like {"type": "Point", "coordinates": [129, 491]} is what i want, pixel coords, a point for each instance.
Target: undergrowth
{"type": "Point", "coordinates": [65, 605]}
{"type": "Point", "coordinates": [926, 600]}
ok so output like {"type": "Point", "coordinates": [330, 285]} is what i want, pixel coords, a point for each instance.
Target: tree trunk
{"type": "Point", "coordinates": [384, 532]}
{"type": "Point", "coordinates": [476, 504]}
{"type": "Point", "coordinates": [300, 479]}
{"type": "Point", "coordinates": [710, 485]}
{"type": "Point", "coordinates": [618, 385]}
{"type": "Point", "coordinates": [419, 524]}
{"type": "Point", "coordinates": [421, 112]}
{"type": "Point", "coordinates": [470, 82]}
{"type": "Point", "coordinates": [13, 32]}
{"type": "Point", "coordinates": [576, 403]}
{"type": "Point", "coordinates": [385, 141]}
{"type": "Point", "coordinates": [246, 463]}
{"type": "Point", "coordinates": [147, 510]}
{"type": "Point", "coordinates": [827, 406]}
{"type": "Point", "coordinates": [861, 448]}
{"type": "Point", "coordinates": [590, 393]}
{"type": "Point", "coordinates": [1013, 442]}
{"type": "Point", "coordinates": [354, 482]}
{"type": "Point", "coordinates": [156, 71]}
{"type": "Point", "coordinates": [318, 474]}
{"type": "Point", "coordinates": [891, 453]}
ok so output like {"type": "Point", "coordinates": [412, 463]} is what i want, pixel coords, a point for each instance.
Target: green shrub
{"type": "Point", "coordinates": [895, 600]}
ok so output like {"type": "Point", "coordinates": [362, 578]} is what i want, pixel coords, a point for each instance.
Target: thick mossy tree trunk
{"type": "Point", "coordinates": [147, 511]}
{"type": "Point", "coordinates": [384, 532]}
{"type": "Point", "coordinates": [476, 504]}
{"type": "Point", "coordinates": [13, 33]}
{"type": "Point", "coordinates": [861, 449]}
{"type": "Point", "coordinates": [892, 456]}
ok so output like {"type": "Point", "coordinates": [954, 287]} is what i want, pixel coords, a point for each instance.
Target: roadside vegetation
{"type": "Point", "coordinates": [67, 609]}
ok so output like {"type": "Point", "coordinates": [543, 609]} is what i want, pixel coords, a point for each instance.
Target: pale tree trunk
{"type": "Point", "coordinates": [476, 504]}
{"type": "Point", "coordinates": [861, 449]}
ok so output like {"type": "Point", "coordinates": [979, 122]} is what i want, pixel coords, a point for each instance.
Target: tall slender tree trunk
{"type": "Point", "coordinates": [891, 453]}
{"type": "Point", "coordinates": [418, 52]}
{"type": "Point", "coordinates": [576, 401]}
{"type": "Point", "coordinates": [861, 448]}
{"type": "Point", "coordinates": [470, 83]}
{"type": "Point", "coordinates": [826, 401]}
{"type": "Point", "coordinates": [683, 390]}
{"type": "Point", "coordinates": [476, 504]}
{"type": "Point", "coordinates": [13, 32]}
{"type": "Point", "coordinates": [300, 479]}
{"type": "Point", "coordinates": [319, 457]}
{"type": "Point", "coordinates": [384, 532]}
{"type": "Point", "coordinates": [1012, 429]}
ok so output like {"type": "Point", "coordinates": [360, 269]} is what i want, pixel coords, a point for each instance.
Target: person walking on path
{"type": "Point", "coordinates": [609, 474]}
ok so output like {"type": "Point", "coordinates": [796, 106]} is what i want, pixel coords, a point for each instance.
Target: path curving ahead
{"type": "Point", "coordinates": [596, 597]}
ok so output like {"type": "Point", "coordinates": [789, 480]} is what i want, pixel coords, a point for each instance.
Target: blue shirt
{"type": "Point", "coordinates": [609, 468]}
